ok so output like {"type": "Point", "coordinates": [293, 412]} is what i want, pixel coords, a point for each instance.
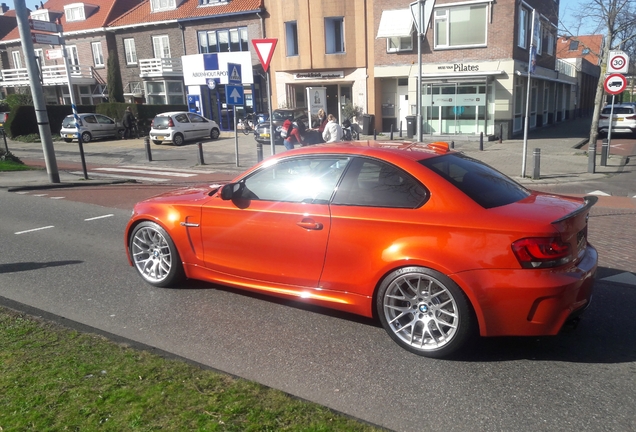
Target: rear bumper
{"type": "Point", "coordinates": [528, 302]}
{"type": "Point", "coordinates": [161, 135]}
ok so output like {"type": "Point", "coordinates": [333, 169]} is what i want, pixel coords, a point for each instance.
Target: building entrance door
{"type": "Point", "coordinates": [454, 108]}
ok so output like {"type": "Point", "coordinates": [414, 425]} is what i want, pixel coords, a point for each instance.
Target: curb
{"type": "Point", "coordinates": [66, 185]}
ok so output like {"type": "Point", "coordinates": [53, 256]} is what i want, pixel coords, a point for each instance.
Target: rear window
{"type": "Point", "coordinates": [486, 186]}
{"type": "Point", "coordinates": [68, 122]}
{"type": "Point", "coordinates": [282, 115]}
{"type": "Point", "coordinates": [618, 110]}
{"type": "Point", "coordinates": [161, 122]}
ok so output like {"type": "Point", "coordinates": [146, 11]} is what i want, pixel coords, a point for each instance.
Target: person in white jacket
{"type": "Point", "coordinates": [333, 131]}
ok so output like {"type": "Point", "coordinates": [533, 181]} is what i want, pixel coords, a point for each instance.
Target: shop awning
{"type": "Point", "coordinates": [395, 23]}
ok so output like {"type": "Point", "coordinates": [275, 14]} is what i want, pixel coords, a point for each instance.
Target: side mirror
{"type": "Point", "coordinates": [231, 190]}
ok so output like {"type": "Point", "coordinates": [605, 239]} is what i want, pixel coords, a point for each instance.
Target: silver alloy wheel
{"type": "Point", "coordinates": [421, 311]}
{"type": "Point", "coordinates": [152, 254]}
{"type": "Point", "coordinates": [86, 137]}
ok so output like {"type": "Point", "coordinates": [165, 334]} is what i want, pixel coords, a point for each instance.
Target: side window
{"type": "Point", "coordinates": [373, 183]}
{"type": "Point", "coordinates": [304, 179]}
{"type": "Point", "coordinates": [196, 118]}
{"type": "Point", "coordinates": [90, 119]}
{"type": "Point", "coordinates": [182, 118]}
{"type": "Point", "coordinates": [104, 120]}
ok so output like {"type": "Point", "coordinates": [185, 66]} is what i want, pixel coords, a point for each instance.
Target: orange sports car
{"type": "Point", "coordinates": [438, 246]}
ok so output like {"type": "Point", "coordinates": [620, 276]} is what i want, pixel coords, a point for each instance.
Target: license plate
{"type": "Point", "coordinates": [620, 119]}
{"type": "Point", "coordinates": [160, 138]}
{"type": "Point", "coordinates": [71, 136]}
{"type": "Point", "coordinates": [264, 135]}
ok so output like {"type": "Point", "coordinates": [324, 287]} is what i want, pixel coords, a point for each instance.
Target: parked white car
{"type": "Point", "coordinates": [180, 126]}
{"type": "Point", "coordinates": [93, 126]}
{"type": "Point", "coordinates": [623, 119]}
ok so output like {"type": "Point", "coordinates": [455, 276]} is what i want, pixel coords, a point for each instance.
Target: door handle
{"type": "Point", "coordinates": [309, 224]}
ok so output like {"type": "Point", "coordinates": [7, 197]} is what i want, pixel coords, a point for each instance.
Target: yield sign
{"type": "Point", "coordinates": [265, 50]}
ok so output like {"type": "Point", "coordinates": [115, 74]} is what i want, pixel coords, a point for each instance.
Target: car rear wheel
{"type": "Point", "coordinates": [214, 133]}
{"type": "Point", "coordinates": [155, 256]}
{"type": "Point", "coordinates": [178, 139]}
{"type": "Point", "coordinates": [425, 312]}
{"type": "Point", "coordinates": [86, 137]}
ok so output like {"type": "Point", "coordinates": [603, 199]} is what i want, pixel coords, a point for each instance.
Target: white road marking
{"type": "Point", "coordinates": [195, 171]}
{"type": "Point", "coordinates": [600, 193]}
{"type": "Point", "coordinates": [146, 171]}
{"type": "Point", "coordinates": [22, 192]}
{"type": "Point", "coordinates": [626, 278]}
{"type": "Point", "coordinates": [34, 229]}
{"type": "Point", "coordinates": [99, 217]}
{"type": "Point", "coordinates": [150, 179]}
{"type": "Point", "coordinates": [40, 195]}
{"type": "Point", "coordinates": [58, 197]}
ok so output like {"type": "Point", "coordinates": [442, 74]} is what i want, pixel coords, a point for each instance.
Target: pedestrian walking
{"type": "Point", "coordinates": [129, 123]}
{"type": "Point", "coordinates": [333, 131]}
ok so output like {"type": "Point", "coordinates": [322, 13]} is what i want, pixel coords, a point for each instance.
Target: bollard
{"type": "Point", "coordinates": [400, 129]}
{"type": "Point", "coordinates": [259, 152]}
{"type": "Point", "coordinates": [375, 134]}
{"type": "Point", "coordinates": [537, 164]}
{"type": "Point", "coordinates": [391, 137]}
{"type": "Point", "coordinates": [604, 152]}
{"type": "Point", "coordinates": [148, 151]}
{"type": "Point", "coordinates": [4, 136]}
{"type": "Point", "coordinates": [591, 159]}
{"type": "Point", "coordinates": [481, 141]}
{"type": "Point", "coordinates": [500, 133]}
{"type": "Point", "coordinates": [452, 144]}
{"type": "Point", "coordinates": [201, 161]}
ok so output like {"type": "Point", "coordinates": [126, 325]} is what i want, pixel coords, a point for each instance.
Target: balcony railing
{"type": "Point", "coordinates": [160, 67]}
{"type": "Point", "coordinates": [51, 75]}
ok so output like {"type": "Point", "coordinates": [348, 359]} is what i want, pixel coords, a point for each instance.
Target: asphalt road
{"type": "Point", "coordinates": [73, 266]}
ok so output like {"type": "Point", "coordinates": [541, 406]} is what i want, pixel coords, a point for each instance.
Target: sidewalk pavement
{"type": "Point", "coordinates": [563, 158]}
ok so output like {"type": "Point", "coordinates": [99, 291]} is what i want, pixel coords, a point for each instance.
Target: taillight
{"type": "Point", "coordinates": [603, 117]}
{"type": "Point", "coordinates": [542, 252]}
{"type": "Point", "coordinates": [152, 123]}
{"type": "Point", "coordinates": [632, 117]}
{"type": "Point", "coordinates": [170, 122]}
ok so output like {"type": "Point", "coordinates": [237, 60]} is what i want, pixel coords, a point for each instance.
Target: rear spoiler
{"type": "Point", "coordinates": [589, 202]}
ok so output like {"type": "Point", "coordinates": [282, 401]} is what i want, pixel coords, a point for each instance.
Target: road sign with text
{"type": "Point", "coordinates": [42, 38]}
{"type": "Point", "coordinates": [618, 62]}
{"type": "Point", "coordinates": [46, 26]}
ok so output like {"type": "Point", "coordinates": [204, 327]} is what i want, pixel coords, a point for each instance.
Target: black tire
{"type": "Point", "coordinates": [177, 139]}
{"type": "Point", "coordinates": [155, 256]}
{"type": "Point", "coordinates": [156, 142]}
{"type": "Point", "coordinates": [355, 135]}
{"type": "Point", "coordinates": [246, 129]}
{"type": "Point", "coordinates": [215, 133]}
{"type": "Point", "coordinates": [68, 140]}
{"type": "Point", "coordinates": [425, 312]}
{"type": "Point", "coordinates": [120, 134]}
{"type": "Point", "coordinates": [86, 137]}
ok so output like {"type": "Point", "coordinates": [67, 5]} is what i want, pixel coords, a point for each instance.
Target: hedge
{"type": "Point", "coordinates": [22, 119]}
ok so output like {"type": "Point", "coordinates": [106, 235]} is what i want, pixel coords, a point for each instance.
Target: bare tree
{"type": "Point", "coordinates": [616, 22]}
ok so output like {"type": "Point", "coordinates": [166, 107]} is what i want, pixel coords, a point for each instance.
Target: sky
{"type": "Point", "coordinates": [566, 9]}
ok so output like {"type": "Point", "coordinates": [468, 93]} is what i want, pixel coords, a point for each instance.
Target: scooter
{"type": "Point", "coordinates": [349, 133]}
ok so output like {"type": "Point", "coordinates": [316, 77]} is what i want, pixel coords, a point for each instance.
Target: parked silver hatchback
{"type": "Point", "coordinates": [180, 126]}
{"type": "Point", "coordinates": [93, 126]}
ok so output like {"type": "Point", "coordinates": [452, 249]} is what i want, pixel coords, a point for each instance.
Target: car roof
{"type": "Point", "coordinates": [380, 149]}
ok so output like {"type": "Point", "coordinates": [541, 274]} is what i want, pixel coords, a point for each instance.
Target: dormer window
{"type": "Point", "coordinates": [212, 2]}
{"type": "Point", "coordinates": [40, 15]}
{"type": "Point", "coordinates": [163, 5]}
{"type": "Point", "coordinates": [78, 11]}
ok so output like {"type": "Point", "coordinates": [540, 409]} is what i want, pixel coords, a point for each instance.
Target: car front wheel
{"type": "Point", "coordinates": [178, 139]}
{"type": "Point", "coordinates": [214, 133]}
{"type": "Point", "coordinates": [86, 137]}
{"type": "Point", "coordinates": [155, 256]}
{"type": "Point", "coordinates": [425, 312]}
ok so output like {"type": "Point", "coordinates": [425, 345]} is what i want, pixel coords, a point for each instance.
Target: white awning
{"type": "Point", "coordinates": [395, 23]}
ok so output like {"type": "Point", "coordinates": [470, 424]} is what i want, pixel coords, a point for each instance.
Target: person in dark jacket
{"type": "Point", "coordinates": [129, 122]}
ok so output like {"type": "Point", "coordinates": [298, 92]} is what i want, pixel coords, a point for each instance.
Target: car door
{"type": "Point", "coordinates": [200, 126]}
{"type": "Point", "coordinates": [182, 125]}
{"type": "Point", "coordinates": [90, 124]}
{"type": "Point", "coordinates": [373, 215]}
{"type": "Point", "coordinates": [276, 230]}
{"type": "Point", "coordinates": [106, 126]}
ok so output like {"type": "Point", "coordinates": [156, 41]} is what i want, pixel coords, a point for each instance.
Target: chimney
{"type": "Point", "coordinates": [3, 8]}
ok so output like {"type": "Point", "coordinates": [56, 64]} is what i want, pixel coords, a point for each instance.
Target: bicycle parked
{"type": "Point", "coordinates": [247, 124]}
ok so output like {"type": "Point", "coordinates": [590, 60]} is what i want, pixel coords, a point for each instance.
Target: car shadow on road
{"type": "Point", "coordinates": [606, 332]}
{"type": "Point", "coordinates": [27, 266]}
